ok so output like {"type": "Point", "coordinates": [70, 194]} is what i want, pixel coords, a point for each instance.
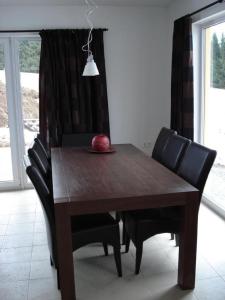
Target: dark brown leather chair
{"type": "Point", "coordinates": [86, 229]}
{"type": "Point", "coordinates": [161, 142]}
{"type": "Point", "coordinates": [172, 155]}
{"type": "Point", "coordinates": [168, 150]}
{"type": "Point", "coordinates": [143, 224]}
{"type": "Point", "coordinates": [173, 151]}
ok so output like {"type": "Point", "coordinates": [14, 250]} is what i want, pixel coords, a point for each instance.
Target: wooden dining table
{"type": "Point", "coordinates": [128, 179]}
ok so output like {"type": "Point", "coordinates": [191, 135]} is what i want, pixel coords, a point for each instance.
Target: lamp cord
{"type": "Point", "coordinates": [91, 6]}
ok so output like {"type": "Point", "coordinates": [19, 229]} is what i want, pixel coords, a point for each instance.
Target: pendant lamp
{"type": "Point", "coordinates": [90, 68]}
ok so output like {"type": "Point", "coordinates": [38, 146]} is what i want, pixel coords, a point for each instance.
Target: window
{"type": "Point", "coordinates": [209, 60]}
{"type": "Point", "coordinates": [19, 104]}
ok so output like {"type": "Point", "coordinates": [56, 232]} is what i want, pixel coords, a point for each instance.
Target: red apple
{"type": "Point", "coordinates": [100, 143]}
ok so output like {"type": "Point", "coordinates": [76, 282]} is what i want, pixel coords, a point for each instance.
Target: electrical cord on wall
{"type": "Point", "coordinates": [91, 6]}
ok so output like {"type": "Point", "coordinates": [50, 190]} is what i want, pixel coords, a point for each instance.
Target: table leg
{"type": "Point", "coordinates": [188, 243]}
{"type": "Point", "coordinates": [65, 254]}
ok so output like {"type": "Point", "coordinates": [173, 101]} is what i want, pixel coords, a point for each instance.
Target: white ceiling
{"type": "Point", "coordinates": [79, 2]}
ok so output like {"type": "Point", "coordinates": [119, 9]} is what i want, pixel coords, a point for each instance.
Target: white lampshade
{"type": "Point", "coordinates": [90, 68]}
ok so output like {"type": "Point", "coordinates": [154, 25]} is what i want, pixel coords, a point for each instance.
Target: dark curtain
{"type": "Point", "coordinates": [69, 102]}
{"type": "Point", "coordinates": [182, 99]}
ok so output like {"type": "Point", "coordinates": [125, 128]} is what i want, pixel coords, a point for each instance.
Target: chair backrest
{"type": "Point", "coordinates": [196, 165]}
{"type": "Point", "coordinates": [174, 151]}
{"type": "Point", "coordinates": [77, 139]}
{"type": "Point", "coordinates": [41, 154]}
{"type": "Point", "coordinates": [39, 159]}
{"type": "Point", "coordinates": [161, 142]}
{"type": "Point", "coordinates": [42, 149]}
{"type": "Point", "coordinates": [47, 204]}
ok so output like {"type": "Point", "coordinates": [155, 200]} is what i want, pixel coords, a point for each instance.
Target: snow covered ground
{"type": "Point", "coordinates": [5, 153]}
{"type": "Point", "coordinates": [28, 80]}
{"type": "Point", "coordinates": [215, 123]}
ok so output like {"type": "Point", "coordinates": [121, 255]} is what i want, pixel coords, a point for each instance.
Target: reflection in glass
{"type": "Point", "coordinates": [29, 56]}
{"type": "Point", "coordinates": [214, 107]}
{"type": "Point", "coordinates": [6, 173]}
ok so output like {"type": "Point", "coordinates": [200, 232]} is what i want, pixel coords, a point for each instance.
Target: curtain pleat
{"type": "Point", "coordinates": [182, 94]}
{"type": "Point", "coordinates": [69, 102]}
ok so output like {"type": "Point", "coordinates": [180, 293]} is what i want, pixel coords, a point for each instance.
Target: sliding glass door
{"type": "Point", "coordinates": [8, 170]}
{"type": "Point", "coordinates": [19, 105]}
{"type": "Point", "coordinates": [214, 107]}
{"type": "Point", "coordinates": [209, 62]}
{"type": "Point", "coordinates": [29, 57]}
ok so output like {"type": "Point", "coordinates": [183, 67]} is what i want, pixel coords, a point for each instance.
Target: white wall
{"type": "Point", "coordinates": [136, 61]}
{"type": "Point", "coordinates": [179, 8]}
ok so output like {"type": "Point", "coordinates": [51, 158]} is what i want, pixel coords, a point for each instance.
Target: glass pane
{"type": "Point", "coordinates": [214, 125]}
{"type": "Point", "coordinates": [6, 173]}
{"type": "Point", "coordinates": [29, 55]}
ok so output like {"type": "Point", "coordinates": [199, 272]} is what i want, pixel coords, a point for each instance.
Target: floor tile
{"type": "Point", "coordinates": [1, 242]}
{"type": "Point", "coordinates": [172, 293]}
{"type": "Point", "coordinates": [4, 219]}
{"type": "Point", "coordinates": [22, 209]}
{"type": "Point", "coordinates": [208, 289]}
{"type": "Point", "coordinates": [155, 262]}
{"type": "Point", "coordinates": [40, 253]}
{"type": "Point", "coordinates": [14, 271]}
{"type": "Point", "coordinates": [22, 228]}
{"type": "Point", "coordinates": [204, 269]}
{"type": "Point", "coordinates": [14, 290]}
{"type": "Point", "coordinates": [5, 208]}
{"type": "Point", "coordinates": [3, 229]}
{"type": "Point", "coordinates": [19, 240]}
{"type": "Point", "coordinates": [129, 287]}
{"type": "Point", "coordinates": [39, 227]}
{"type": "Point", "coordinates": [10, 255]}
{"type": "Point", "coordinates": [96, 270]}
{"type": "Point", "coordinates": [39, 217]}
{"type": "Point", "coordinates": [43, 289]}
{"type": "Point", "coordinates": [42, 269]}
{"type": "Point", "coordinates": [22, 218]}
{"type": "Point", "coordinates": [40, 238]}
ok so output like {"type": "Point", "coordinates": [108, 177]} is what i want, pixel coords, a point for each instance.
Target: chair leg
{"type": "Point", "coordinates": [126, 241]}
{"type": "Point", "coordinates": [105, 246]}
{"type": "Point", "coordinates": [117, 257]}
{"type": "Point", "coordinates": [177, 239]}
{"type": "Point", "coordinates": [51, 262]}
{"type": "Point", "coordinates": [139, 250]}
{"type": "Point", "coordinates": [123, 235]}
{"type": "Point", "coordinates": [172, 236]}
{"type": "Point", "coordinates": [123, 229]}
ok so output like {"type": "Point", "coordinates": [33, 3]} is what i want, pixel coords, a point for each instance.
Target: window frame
{"type": "Point", "coordinates": [199, 45]}
{"type": "Point", "coordinates": [13, 90]}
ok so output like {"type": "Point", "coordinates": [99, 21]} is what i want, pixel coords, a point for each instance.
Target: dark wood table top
{"type": "Point", "coordinates": [90, 182]}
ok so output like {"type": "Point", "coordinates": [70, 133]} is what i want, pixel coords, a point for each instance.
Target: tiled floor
{"type": "Point", "coordinates": [215, 185]}
{"type": "Point", "coordinates": [25, 271]}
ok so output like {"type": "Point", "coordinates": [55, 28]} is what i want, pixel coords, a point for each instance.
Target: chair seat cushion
{"type": "Point", "coordinates": [155, 214]}
{"type": "Point", "coordinates": [85, 222]}
{"type": "Point", "coordinates": [142, 224]}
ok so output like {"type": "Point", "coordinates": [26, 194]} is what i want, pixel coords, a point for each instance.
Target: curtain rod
{"type": "Point", "coordinates": [205, 7]}
{"type": "Point", "coordinates": [36, 30]}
